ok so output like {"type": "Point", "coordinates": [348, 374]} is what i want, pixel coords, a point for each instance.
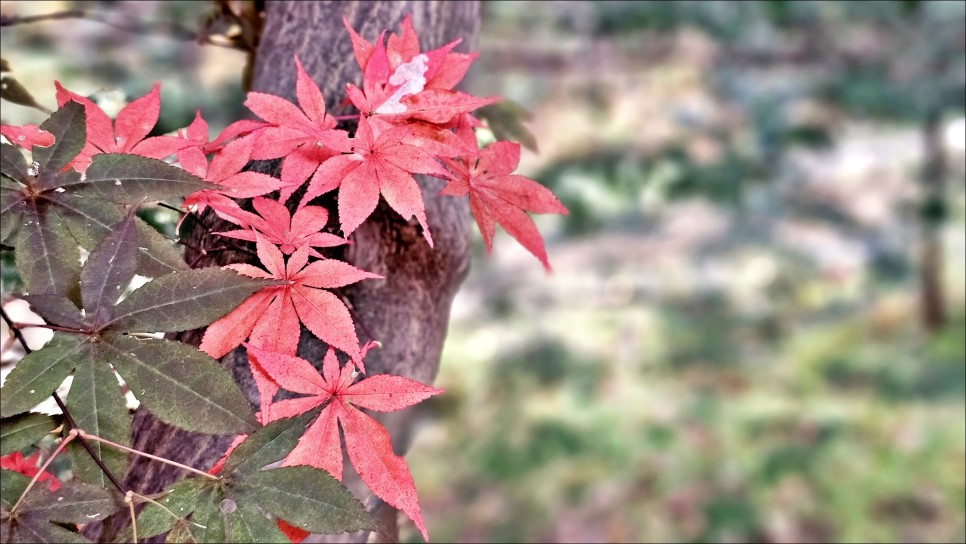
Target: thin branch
{"type": "Point", "coordinates": [144, 498]}
{"type": "Point", "coordinates": [172, 208]}
{"type": "Point", "coordinates": [129, 499]}
{"type": "Point", "coordinates": [170, 30]}
{"type": "Point", "coordinates": [70, 436]}
{"type": "Point", "coordinates": [16, 331]}
{"type": "Point", "coordinates": [148, 455]}
{"type": "Point", "coordinates": [87, 447]}
{"type": "Point", "coordinates": [5, 247]}
{"type": "Point", "coordinates": [47, 326]}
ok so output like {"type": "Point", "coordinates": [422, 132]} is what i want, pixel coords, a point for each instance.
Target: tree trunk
{"type": "Point", "coordinates": [407, 311]}
{"type": "Point", "coordinates": [932, 300]}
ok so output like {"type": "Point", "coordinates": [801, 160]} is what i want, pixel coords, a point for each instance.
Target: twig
{"type": "Point", "coordinates": [145, 498]}
{"type": "Point", "coordinates": [129, 499]}
{"type": "Point", "coordinates": [5, 247]}
{"type": "Point", "coordinates": [148, 455]}
{"type": "Point", "coordinates": [70, 436]}
{"type": "Point", "coordinates": [16, 331]}
{"type": "Point", "coordinates": [46, 326]}
{"type": "Point", "coordinates": [172, 208]}
{"type": "Point", "coordinates": [80, 438]}
{"type": "Point", "coordinates": [169, 29]}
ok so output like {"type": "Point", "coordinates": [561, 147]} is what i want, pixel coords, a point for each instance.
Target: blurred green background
{"type": "Point", "coordinates": [755, 326]}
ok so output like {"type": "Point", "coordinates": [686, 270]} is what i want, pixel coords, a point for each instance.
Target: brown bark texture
{"type": "Point", "coordinates": [408, 310]}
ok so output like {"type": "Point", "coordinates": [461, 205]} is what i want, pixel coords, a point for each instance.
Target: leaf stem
{"type": "Point", "coordinates": [172, 208]}
{"type": "Point", "coordinates": [148, 455]}
{"type": "Point", "coordinates": [70, 436]}
{"type": "Point", "coordinates": [16, 330]}
{"type": "Point", "coordinates": [144, 498]}
{"type": "Point", "coordinates": [47, 326]}
{"type": "Point", "coordinates": [129, 499]}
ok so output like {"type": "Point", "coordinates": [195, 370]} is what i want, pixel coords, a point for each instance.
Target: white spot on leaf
{"type": "Point", "coordinates": [410, 77]}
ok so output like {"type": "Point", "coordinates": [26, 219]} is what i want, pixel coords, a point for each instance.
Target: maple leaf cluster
{"type": "Point", "coordinates": [410, 121]}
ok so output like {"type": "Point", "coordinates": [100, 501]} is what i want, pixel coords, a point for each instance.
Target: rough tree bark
{"type": "Point", "coordinates": [408, 311]}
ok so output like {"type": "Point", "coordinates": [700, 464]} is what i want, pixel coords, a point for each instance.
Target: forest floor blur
{"type": "Point", "coordinates": [718, 364]}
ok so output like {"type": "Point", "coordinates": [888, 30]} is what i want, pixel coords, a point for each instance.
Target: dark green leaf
{"type": "Point", "coordinates": [12, 90]}
{"type": "Point", "coordinates": [9, 221]}
{"type": "Point", "coordinates": [12, 486]}
{"type": "Point", "coordinates": [180, 385]}
{"type": "Point", "coordinates": [39, 374]}
{"type": "Point", "coordinates": [181, 500]}
{"type": "Point", "coordinates": [248, 524]}
{"type": "Point", "coordinates": [306, 497]}
{"type": "Point", "coordinates": [268, 444]}
{"type": "Point", "coordinates": [18, 432]}
{"type": "Point", "coordinates": [47, 255]}
{"type": "Point", "coordinates": [97, 405]}
{"type": "Point", "coordinates": [29, 529]}
{"type": "Point", "coordinates": [70, 134]}
{"type": "Point", "coordinates": [56, 309]}
{"type": "Point", "coordinates": [88, 219]}
{"type": "Point", "coordinates": [12, 163]}
{"type": "Point", "coordinates": [110, 267]}
{"type": "Point", "coordinates": [208, 519]}
{"type": "Point", "coordinates": [181, 534]}
{"type": "Point", "coordinates": [131, 179]}
{"type": "Point", "coordinates": [157, 256]}
{"type": "Point", "coordinates": [74, 502]}
{"type": "Point", "coordinates": [183, 300]}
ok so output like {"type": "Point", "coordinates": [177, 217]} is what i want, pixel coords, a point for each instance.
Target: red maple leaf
{"type": "Point", "coordinates": [224, 170]}
{"type": "Point", "coordinates": [127, 134]}
{"type": "Point", "coordinates": [270, 318]}
{"type": "Point", "coordinates": [28, 467]}
{"type": "Point", "coordinates": [27, 136]}
{"type": "Point", "coordinates": [380, 164]}
{"type": "Point", "coordinates": [499, 196]}
{"type": "Point", "coordinates": [306, 137]}
{"type": "Point", "coordinates": [196, 133]}
{"type": "Point", "coordinates": [401, 83]}
{"type": "Point", "coordinates": [366, 441]}
{"type": "Point", "coordinates": [289, 232]}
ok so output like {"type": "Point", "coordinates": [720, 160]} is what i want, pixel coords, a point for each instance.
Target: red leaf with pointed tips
{"type": "Point", "coordinates": [303, 298]}
{"type": "Point", "coordinates": [289, 232]}
{"type": "Point", "coordinates": [126, 134]}
{"type": "Point", "coordinates": [27, 136]}
{"type": "Point", "coordinates": [382, 164]}
{"type": "Point", "coordinates": [305, 135]}
{"type": "Point", "coordinates": [225, 170]}
{"type": "Point", "coordinates": [367, 442]}
{"type": "Point", "coordinates": [401, 83]}
{"type": "Point", "coordinates": [499, 196]}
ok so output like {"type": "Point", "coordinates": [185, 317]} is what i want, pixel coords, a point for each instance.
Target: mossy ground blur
{"type": "Point", "coordinates": [730, 347]}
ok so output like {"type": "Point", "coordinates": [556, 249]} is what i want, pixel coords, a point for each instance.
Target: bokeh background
{"type": "Point", "coordinates": [755, 326]}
